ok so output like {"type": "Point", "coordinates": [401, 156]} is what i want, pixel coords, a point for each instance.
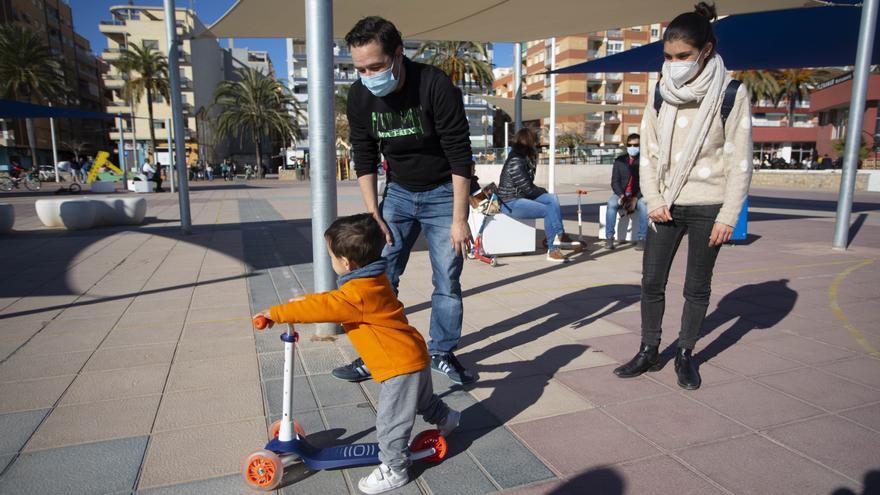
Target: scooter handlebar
{"type": "Point", "coordinates": [262, 323]}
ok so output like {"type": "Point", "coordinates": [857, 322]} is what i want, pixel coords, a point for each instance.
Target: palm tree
{"type": "Point", "coordinates": [570, 140]}
{"type": "Point", "coordinates": [465, 62]}
{"type": "Point", "coordinates": [29, 72]}
{"type": "Point", "coordinates": [795, 86]}
{"type": "Point", "coordinates": [762, 84]}
{"type": "Point", "coordinates": [147, 71]}
{"type": "Point", "coordinates": [255, 105]}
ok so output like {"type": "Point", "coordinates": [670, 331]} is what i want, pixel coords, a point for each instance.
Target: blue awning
{"type": "Point", "coordinates": [782, 39]}
{"type": "Point", "coordinates": [10, 109]}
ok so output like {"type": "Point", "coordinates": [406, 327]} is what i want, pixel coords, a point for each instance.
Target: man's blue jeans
{"type": "Point", "coordinates": [611, 217]}
{"type": "Point", "coordinates": [545, 206]}
{"type": "Point", "coordinates": [407, 214]}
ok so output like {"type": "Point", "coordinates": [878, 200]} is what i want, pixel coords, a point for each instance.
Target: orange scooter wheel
{"type": "Point", "coordinates": [262, 470]}
{"type": "Point", "coordinates": [428, 439]}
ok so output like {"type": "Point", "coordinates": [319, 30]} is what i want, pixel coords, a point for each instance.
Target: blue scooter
{"type": "Point", "coordinates": [264, 468]}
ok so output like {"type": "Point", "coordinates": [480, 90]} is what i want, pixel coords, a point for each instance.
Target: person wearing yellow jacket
{"type": "Point", "coordinates": [395, 352]}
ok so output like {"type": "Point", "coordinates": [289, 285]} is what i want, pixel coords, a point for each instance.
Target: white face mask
{"type": "Point", "coordinates": [682, 72]}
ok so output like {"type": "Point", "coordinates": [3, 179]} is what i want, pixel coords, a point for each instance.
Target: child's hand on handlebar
{"type": "Point", "coordinates": [262, 321]}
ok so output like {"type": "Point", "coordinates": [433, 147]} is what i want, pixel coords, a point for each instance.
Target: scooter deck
{"type": "Point", "coordinates": [341, 456]}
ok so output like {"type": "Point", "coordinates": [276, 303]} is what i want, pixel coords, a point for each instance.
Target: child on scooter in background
{"type": "Point", "coordinates": [392, 350]}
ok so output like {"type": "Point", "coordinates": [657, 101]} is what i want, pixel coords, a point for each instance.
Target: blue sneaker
{"type": "Point", "coordinates": [356, 371]}
{"type": "Point", "coordinates": [448, 365]}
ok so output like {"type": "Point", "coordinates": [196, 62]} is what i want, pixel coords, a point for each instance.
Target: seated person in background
{"type": "Point", "coordinates": [521, 198]}
{"type": "Point", "coordinates": [627, 195]}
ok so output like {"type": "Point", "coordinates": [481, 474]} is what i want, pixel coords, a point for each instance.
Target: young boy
{"type": "Point", "coordinates": [394, 351]}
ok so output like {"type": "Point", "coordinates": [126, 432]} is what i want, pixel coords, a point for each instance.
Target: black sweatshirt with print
{"type": "Point", "coordinates": [421, 130]}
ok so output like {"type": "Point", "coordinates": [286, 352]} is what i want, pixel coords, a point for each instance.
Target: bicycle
{"type": "Point", "coordinates": [31, 182]}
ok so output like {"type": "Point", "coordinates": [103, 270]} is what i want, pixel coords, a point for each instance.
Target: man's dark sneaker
{"type": "Point", "coordinates": [609, 244]}
{"type": "Point", "coordinates": [448, 365]}
{"type": "Point", "coordinates": [356, 371]}
{"type": "Point", "coordinates": [640, 245]}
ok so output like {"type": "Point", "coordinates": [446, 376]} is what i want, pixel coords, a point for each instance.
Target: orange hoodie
{"type": "Point", "coordinates": [372, 317]}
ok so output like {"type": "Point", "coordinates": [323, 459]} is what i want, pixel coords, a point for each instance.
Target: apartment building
{"type": "Point", "coordinates": [53, 20]}
{"type": "Point", "coordinates": [598, 129]}
{"type": "Point", "coordinates": [202, 66]}
{"type": "Point", "coordinates": [255, 59]}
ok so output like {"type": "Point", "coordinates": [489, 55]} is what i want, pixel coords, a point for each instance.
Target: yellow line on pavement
{"type": "Point", "coordinates": [835, 308]}
{"type": "Point", "coordinates": [783, 267]}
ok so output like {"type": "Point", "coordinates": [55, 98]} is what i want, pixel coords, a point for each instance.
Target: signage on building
{"type": "Point", "coordinates": [835, 81]}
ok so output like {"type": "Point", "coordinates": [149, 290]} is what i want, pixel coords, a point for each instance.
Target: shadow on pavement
{"type": "Point", "coordinates": [775, 295]}
{"type": "Point", "coordinates": [871, 485]}
{"type": "Point", "coordinates": [599, 481]}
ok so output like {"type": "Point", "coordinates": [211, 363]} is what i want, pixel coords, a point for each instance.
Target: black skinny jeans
{"type": "Point", "coordinates": [660, 249]}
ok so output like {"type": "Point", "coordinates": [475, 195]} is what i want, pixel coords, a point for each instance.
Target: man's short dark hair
{"type": "Point", "coordinates": [357, 238]}
{"type": "Point", "coordinates": [375, 28]}
{"type": "Point", "coordinates": [633, 136]}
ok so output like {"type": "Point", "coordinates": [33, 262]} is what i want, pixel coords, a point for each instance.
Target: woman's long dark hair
{"type": "Point", "coordinates": [525, 142]}
{"type": "Point", "coordinates": [694, 28]}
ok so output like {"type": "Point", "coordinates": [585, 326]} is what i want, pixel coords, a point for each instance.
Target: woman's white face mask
{"type": "Point", "coordinates": [682, 72]}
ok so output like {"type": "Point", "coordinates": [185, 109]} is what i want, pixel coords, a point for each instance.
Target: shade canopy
{"type": "Point", "coordinates": [785, 39]}
{"type": "Point", "coordinates": [540, 109]}
{"type": "Point", "coordinates": [470, 20]}
{"type": "Point", "coordinates": [10, 109]}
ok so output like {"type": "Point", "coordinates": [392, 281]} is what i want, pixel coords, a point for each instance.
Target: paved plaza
{"type": "Point", "coordinates": [128, 362]}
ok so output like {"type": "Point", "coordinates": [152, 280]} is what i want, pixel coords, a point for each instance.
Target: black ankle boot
{"type": "Point", "coordinates": [688, 376]}
{"type": "Point", "coordinates": [645, 360]}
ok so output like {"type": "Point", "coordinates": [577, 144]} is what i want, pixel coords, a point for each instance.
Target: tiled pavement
{"type": "Point", "coordinates": [127, 362]}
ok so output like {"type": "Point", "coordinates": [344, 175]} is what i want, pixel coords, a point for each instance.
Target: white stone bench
{"type": "Point", "coordinates": [627, 225]}
{"type": "Point", "coordinates": [140, 184]}
{"type": "Point", "coordinates": [7, 218]}
{"type": "Point", "coordinates": [102, 187]}
{"type": "Point", "coordinates": [504, 234]}
{"type": "Point", "coordinates": [86, 213]}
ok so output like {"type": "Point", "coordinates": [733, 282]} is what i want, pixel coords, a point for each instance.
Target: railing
{"type": "Point", "coordinates": [612, 138]}
{"type": "Point", "coordinates": [613, 97]}
{"type": "Point", "coordinates": [593, 53]}
{"type": "Point", "coordinates": [614, 76]}
{"type": "Point", "coordinates": [595, 75]}
{"type": "Point", "coordinates": [614, 33]}
{"type": "Point", "coordinates": [594, 116]}
{"type": "Point", "coordinates": [594, 97]}
{"type": "Point", "coordinates": [612, 117]}
{"type": "Point", "coordinates": [114, 22]}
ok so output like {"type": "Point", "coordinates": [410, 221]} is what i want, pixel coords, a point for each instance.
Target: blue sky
{"type": "Point", "coordinates": [88, 13]}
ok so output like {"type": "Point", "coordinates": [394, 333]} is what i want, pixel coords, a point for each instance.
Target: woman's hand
{"type": "Point", "coordinates": [721, 233]}
{"type": "Point", "coordinates": [660, 215]}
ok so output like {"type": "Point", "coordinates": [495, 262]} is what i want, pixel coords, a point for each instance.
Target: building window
{"type": "Point", "coordinates": [158, 124]}
{"type": "Point", "coordinates": [655, 32]}
{"type": "Point", "coordinates": [614, 47]}
{"type": "Point", "coordinates": [634, 89]}
{"type": "Point", "coordinates": [636, 28]}
{"type": "Point", "coordinates": [154, 44]}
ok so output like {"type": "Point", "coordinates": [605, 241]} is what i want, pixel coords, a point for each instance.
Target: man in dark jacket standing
{"type": "Point", "coordinates": [625, 184]}
{"type": "Point", "coordinates": [415, 116]}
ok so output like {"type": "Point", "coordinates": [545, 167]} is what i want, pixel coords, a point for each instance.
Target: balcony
{"type": "Point", "coordinates": [612, 117]}
{"type": "Point", "coordinates": [186, 83]}
{"type": "Point", "coordinates": [593, 137]}
{"type": "Point", "coordinates": [594, 97]}
{"type": "Point", "coordinates": [613, 97]}
{"type": "Point", "coordinates": [614, 34]}
{"type": "Point", "coordinates": [114, 82]}
{"type": "Point", "coordinates": [184, 59]}
{"type": "Point", "coordinates": [118, 107]}
{"type": "Point", "coordinates": [115, 28]}
{"type": "Point", "coordinates": [594, 117]}
{"type": "Point", "coordinates": [593, 54]}
{"type": "Point", "coordinates": [111, 54]}
{"type": "Point", "coordinates": [595, 76]}
{"type": "Point", "coordinates": [614, 76]}
{"type": "Point", "coordinates": [612, 138]}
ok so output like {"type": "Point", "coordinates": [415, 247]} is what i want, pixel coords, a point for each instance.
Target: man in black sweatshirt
{"type": "Point", "coordinates": [414, 116]}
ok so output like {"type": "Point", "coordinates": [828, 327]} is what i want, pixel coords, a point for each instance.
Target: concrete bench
{"type": "Point", "coordinates": [102, 187]}
{"type": "Point", "coordinates": [504, 234]}
{"type": "Point", "coordinates": [7, 218]}
{"type": "Point", "coordinates": [140, 184]}
{"type": "Point", "coordinates": [627, 225]}
{"type": "Point", "coordinates": [86, 213]}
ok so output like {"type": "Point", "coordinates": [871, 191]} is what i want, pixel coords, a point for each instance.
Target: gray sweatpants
{"type": "Point", "coordinates": [400, 398]}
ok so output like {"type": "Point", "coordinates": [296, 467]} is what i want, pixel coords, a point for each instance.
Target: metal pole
{"type": "Point", "coordinates": [134, 157]}
{"type": "Point", "coordinates": [322, 137]}
{"type": "Point", "coordinates": [120, 145]}
{"type": "Point", "coordinates": [552, 179]}
{"type": "Point", "coordinates": [854, 126]}
{"type": "Point", "coordinates": [177, 115]}
{"type": "Point", "coordinates": [517, 86]}
{"type": "Point", "coordinates": [506, 139]}
{"type": "Point", "coordinates": [54, 148]}
{"type": "Point", "coordinates": [170, 155]}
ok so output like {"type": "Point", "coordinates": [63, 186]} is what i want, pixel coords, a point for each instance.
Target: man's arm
{"type": "Point", "coordinates": [370, 194]}
{"type": "Point", "coordinates": [460, 232]}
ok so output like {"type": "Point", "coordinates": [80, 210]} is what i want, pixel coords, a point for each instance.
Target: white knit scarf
{"type": "Point", "coordinates": [708, 89]}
